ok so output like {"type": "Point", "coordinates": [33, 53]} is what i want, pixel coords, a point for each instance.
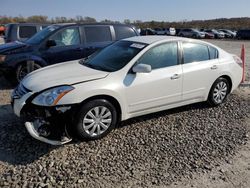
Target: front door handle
{"type": "Point", "coordinates": [214, 67]}
{"type": "Point", "coordinates": [175, 77]}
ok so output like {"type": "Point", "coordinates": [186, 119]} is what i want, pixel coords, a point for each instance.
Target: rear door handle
{"type": "Point", "coordinates": [214, 67]}
{"type": "Point", "coordinates": [175, 77]}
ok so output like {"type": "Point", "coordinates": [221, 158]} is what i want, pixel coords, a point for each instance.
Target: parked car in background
{"type": "Point", "coordinates": [21, 31]}
{"type": "Point", "coordinates": [171, 31]}
{"type": "Point", "coordinates": [148, 31]}
{"type": "Point", "coordinates": [168, 31]}
{"type": "Point", "coordinates": [228, 33]}
{"type": "Point", "coordinates": [58, 43]}
{"type": "Point", "coordinates": [217, 35]}
{"type": "Point", "coordinates": [192, 33]}
{"type": "Point", "coordinates": [160, 31]}
{"type": "Point", "coordinates": [209, 35]}
{"type": "Point", "coordinates": [243, 34]}
{"type": "Point", "coordinates": [130, 78]}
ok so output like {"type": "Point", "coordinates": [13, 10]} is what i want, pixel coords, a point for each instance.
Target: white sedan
{"type": "Point", "coordinates": [132, 77]}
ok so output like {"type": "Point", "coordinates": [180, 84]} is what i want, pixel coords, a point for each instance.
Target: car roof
{"type": "Point", "coordinates": [153, 39]}
{"type": "Point", "coordinates": [94, 24]}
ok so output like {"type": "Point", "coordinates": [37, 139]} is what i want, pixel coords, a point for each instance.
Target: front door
{"type": "Point", "coordinates": [159, 88]}
{"type": "Point", "coordinates": [68, 46]}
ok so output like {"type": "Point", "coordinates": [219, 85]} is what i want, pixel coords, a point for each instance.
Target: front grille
{"type": "Point", "coordinates": [20, 91]}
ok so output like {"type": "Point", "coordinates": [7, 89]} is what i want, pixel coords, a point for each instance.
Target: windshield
{"type": "Point", "coordinates": [114, 57]}
{"type": "Point", "coordinates": [38, 37]}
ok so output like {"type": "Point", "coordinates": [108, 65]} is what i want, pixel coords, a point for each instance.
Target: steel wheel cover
{"type": "Point", "coordinates": [97, 121]}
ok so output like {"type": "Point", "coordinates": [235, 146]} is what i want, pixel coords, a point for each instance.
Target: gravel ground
{"type": "Point", "coordinates": [154, 150]}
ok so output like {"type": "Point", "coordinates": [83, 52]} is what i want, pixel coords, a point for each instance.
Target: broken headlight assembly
{"type": "Point", "coordinates": [52, 96]}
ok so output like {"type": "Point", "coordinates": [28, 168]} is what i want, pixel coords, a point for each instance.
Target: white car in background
{"type": "Point", "coordinates": [132, 77]}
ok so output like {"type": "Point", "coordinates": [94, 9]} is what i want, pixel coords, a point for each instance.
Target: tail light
{"type": "Point", "coordinates": [238, 60]}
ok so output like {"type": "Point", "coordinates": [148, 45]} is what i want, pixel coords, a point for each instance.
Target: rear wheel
{"type": "Point", "coordinates": [24, 69]}
{"type": "Point", "coordinates": [95, 119]}
{"type": "Point", "coordinates": [219, 92]}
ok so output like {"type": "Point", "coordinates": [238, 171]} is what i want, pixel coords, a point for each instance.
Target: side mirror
{"type": "Point", "coordinates": [50, 43]}
{"type": "Point", "coordinates": [142, 68]}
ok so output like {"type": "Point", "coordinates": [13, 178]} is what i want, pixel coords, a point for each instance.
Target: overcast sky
{"type": "Point", "coordinates": [118, 10]}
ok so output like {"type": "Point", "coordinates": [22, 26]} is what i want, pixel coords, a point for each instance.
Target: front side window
{"type": "Point", "coordinates": [195, 52]}
{"type": "Point", "coordinates": [97, 34]}
{"type": "Point", "coordinates": [164, 55]}
{"type": "Point", "coordinates": [67, 37]}
{"type": "Point", "coordinates": [27, 31]}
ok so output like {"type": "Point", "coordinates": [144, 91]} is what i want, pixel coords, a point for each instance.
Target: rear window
{"type": "Point", "coordinates": [195, 52]}
{"type": "Point", "coordinates": [97, 34]}
{"type": "Point", "coordinates": [124, 32]}
{"type": "Point", "coordinates": [27, 31]}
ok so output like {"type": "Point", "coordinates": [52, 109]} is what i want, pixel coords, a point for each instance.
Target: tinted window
{"type": "Point", "coordinates": [213, 52]}
{"type": "Point", "coordinates": [161, 56]}
{"type": "Point", "coordinates": [67, 37]}
{"type": "Point", "coordinates": [97, 34]}
{"type": "Point", "coordinates": [123, 32]}
{"type": "Point", "coordinates": [27, 31]}
{"type": "Point", "coordinates": [195, 52]}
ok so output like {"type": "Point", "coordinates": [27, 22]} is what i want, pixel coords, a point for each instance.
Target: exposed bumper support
{"type": "Point", "coordinates": [33, 132]}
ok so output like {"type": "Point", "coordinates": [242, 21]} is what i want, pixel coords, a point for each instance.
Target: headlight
{"type": "Point", "coordinates": [2, 58]}
{"type": "Point", "coordinates": [51, 97]}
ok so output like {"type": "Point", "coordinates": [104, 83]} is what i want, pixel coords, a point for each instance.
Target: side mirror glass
{"type": "Point", "coordinates": [142, 68]}
{"type": "Point", "coordinates": [50, 43]}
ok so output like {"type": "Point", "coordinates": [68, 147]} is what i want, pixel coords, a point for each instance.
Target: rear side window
{"type": "Point", "coordinates": [27, 31]}
{"type": "Point", "coordinates": [97, 34]}
{"type": "Point", "coordinates": [195, 52]}
{"type": "Point", "coordinates": [122, 32]}
{"type": "Point", "coordinates": [213, 52]}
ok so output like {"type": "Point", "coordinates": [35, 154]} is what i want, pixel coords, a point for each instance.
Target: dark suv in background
{"type": "Point", "coordinates": [21, 31]}
{"type": "Point", "coordinates": [58, 43]}
{"type": "Point", "coordinates": [243, 34]}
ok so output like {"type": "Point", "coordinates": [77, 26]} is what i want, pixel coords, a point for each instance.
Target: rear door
{"type": "Point", "coordinates": [97, 37]}
{"type": "Point", "coordinates": [200, 69]}
{"type": "Point", "coordinates": [68, 46]}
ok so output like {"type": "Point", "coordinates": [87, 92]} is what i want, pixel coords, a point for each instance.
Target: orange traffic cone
{"type": "Point", "coordinates": [243, 58]}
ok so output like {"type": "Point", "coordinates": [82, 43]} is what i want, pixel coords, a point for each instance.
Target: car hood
{"type": "Point", "coordinates": [11, 46]}
{"type": "Point", "coordinates": [67, 73]}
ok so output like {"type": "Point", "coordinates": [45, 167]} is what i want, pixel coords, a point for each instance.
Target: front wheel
{"type": "Point", "coordinates": [219, 92]}
{"type": "Point", "coordinates": [95, 119]}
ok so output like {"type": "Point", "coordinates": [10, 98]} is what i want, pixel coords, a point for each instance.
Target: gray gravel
{"type": "Point", "coordinates": [158, 149]}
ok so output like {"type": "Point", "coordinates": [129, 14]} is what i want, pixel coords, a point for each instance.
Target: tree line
{"type": "Point", "coordinates": [229, 23]}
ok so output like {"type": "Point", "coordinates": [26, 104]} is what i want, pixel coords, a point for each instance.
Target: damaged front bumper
{"type": "Point", "coordinates": [47, 124]}
{"type": "Point", "coordinates": [32, 128]}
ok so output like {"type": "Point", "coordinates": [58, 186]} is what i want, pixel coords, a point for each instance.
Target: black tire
{"type": "Point", "coordinates": [79, 124]}
{"type": "Point", "coordinates": [215, 100]}
{"type": "Point", "coordinates": [22, 71]}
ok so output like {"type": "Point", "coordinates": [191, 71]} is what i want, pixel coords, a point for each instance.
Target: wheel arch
{"type": "Point", "coordinates": [109, 98]}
